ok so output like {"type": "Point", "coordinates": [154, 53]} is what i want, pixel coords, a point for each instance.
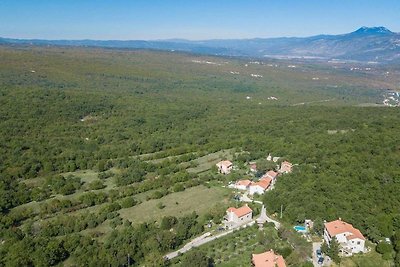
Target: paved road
{"type": "Point", "coordinates": [315, 246]}
{"type": "Point", "coordinates": [263, 215]}
{"type": "Point", "coordinates": [245, 198]}
{"type": "Point", "coordinates": [269, 219]}
{"type": "Point", "coordinates": [327, 260]}
{"type": "Point", "coordinates": [203, 239]}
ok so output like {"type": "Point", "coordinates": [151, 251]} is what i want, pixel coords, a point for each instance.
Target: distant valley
{"type": "Point", "coordinates": [367, 44]}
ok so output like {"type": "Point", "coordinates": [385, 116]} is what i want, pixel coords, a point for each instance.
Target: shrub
{"type": "Point", "coordinates": [128, 202]}
{"type": "Point", "coordinates": [384, 248]}
{"type": "Point", "coordinates": [96, 185]}
{"type": "Point", "coordinates": [160, 205]}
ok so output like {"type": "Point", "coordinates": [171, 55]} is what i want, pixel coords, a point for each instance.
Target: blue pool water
{"type": "Point", "coordinates": [300, 228]}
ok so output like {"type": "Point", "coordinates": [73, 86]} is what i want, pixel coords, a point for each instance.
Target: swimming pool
{"type": "Point", "coordinates": [300, 228]}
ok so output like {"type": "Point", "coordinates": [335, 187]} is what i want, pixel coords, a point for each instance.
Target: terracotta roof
{"type": "Point", "coordinates": [287, 163]}
{"type": "Point", "coordinates": [240, 212]}
{"type": "Point", "coordinates": [356, 234]}
{"type": "Point", "coordinates": [225, 163]}
{"type": "Point", "coordinates": [338, 227]}
{"type": "Point", "coordinates": [268, 259]}
{"type": "Point", "coordinates": [243, 182]}
{"type": "Point", "coordinates": [271, 174]}
{"type": "Point", "coordinates": [286, 166]}
{"type": "Point", "coordinates": [264, 182]}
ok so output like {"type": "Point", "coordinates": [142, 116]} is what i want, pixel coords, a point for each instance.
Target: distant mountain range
{"type": "Point", "coordinates": [367, 44]}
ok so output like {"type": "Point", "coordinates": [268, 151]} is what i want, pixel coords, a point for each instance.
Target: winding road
{"type": "Point", "coordinates": [208, 237]}
{"type": "Point", "coordinates": [203, 239]}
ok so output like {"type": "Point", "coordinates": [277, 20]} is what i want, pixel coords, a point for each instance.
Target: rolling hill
{"type": "Point", "coordinates": [367, 44]}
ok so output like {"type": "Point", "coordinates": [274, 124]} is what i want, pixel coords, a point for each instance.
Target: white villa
{"type": "Point", "coordinates": [260, 186]}
{"type": "Point", "coordinates": [349, 238]}
{"type": "Point", "coordinates": [242, 184]}
{"type": "Point", "coordinates": [224, 166]}
{"type": "Point", "coordinates": [235, 217]}
{"type": "Point", "coordinates": [266, 181]}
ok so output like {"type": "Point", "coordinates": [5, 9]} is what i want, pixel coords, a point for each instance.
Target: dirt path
{"type": "Point", "coordinates": [311, 102]}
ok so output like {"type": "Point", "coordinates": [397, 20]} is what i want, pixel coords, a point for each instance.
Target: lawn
{"type": "Point", "coordinates": [198, 199]}
{"type": "Point", "coordinates": [87, 176]}
{"type": "Point", "coordinates": [370, 259]}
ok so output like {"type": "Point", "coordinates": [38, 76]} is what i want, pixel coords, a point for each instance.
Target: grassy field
{"type": "Point", "coordinates": [198, 199]}
{"type": "Point", "coordinates": [370, 259]}
{"type": "Point", "coordinates": [206, 162]}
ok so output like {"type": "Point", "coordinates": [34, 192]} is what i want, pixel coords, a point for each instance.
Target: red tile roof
{"type": "Point", "coordinates": [271, 174]}
{"type": "Point", "coordinates": [264, 182]}
{"type": "Point", "coordinates": [242, 211]}
{"type": "Point", "coordinates": [243, 182]}
{"type": "Point", "coordinates": [268, 259]}
{"type": "Point", "coordinates": [286, 166]}
{"type": "Point", "coordinates": [338, 227]}
{"type": "Point", "coordinates": [287, 163]}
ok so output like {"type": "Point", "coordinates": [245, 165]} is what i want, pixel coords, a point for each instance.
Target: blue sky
{"type": "Point", "coordinates": [202, 19]}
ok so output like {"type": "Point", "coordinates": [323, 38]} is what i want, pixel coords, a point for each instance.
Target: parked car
{"type": "Point", "coordinates": [320, 260]}
{"type": "Point", "coordinates": [319, 253]}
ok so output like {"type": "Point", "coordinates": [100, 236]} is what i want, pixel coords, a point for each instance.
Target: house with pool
{"type": "Point", "coordinates": [350, 239]}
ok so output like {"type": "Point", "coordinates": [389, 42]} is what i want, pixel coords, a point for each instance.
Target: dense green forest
{"type": "Point", "coordinates": [139, 121]}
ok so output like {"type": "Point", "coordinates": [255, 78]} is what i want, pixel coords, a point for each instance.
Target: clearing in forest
{"type": "Point", "coordinates": [198, 199]}
{"type": "Point", "coordinates": [208, 161]}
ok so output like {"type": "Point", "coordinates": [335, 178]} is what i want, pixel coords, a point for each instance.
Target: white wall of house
{"type": "Point", "coordinates": [232, 216]}
{"type": "Point", "coordinates": [354, 245]}
{"type": "Point", "coordinates": [246, 218]}
{"type": "Point", "coordinates": [224, 169]}
{"type": "Point", "coordinates": [233, 220]}
{"type": "Point", "coordinates": [341, 238]}
{"type": "Point", "coordinates": [241, 187]}
{"type": "Point", "coordinates": [256, 189]}
{"type": "Point", "coordinates": [327, 237]}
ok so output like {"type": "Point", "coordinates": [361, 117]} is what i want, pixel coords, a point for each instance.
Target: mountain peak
{"type": "Point", "coordinates": [372, 30]}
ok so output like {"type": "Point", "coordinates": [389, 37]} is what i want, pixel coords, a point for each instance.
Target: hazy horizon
{"type": "Point", "coordinates": [191, 20]}
{"type": "Point", "coordinates": [177, 38]}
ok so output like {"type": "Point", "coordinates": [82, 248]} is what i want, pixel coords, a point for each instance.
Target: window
{"type": "Point", "coordinates": [358, 243]}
